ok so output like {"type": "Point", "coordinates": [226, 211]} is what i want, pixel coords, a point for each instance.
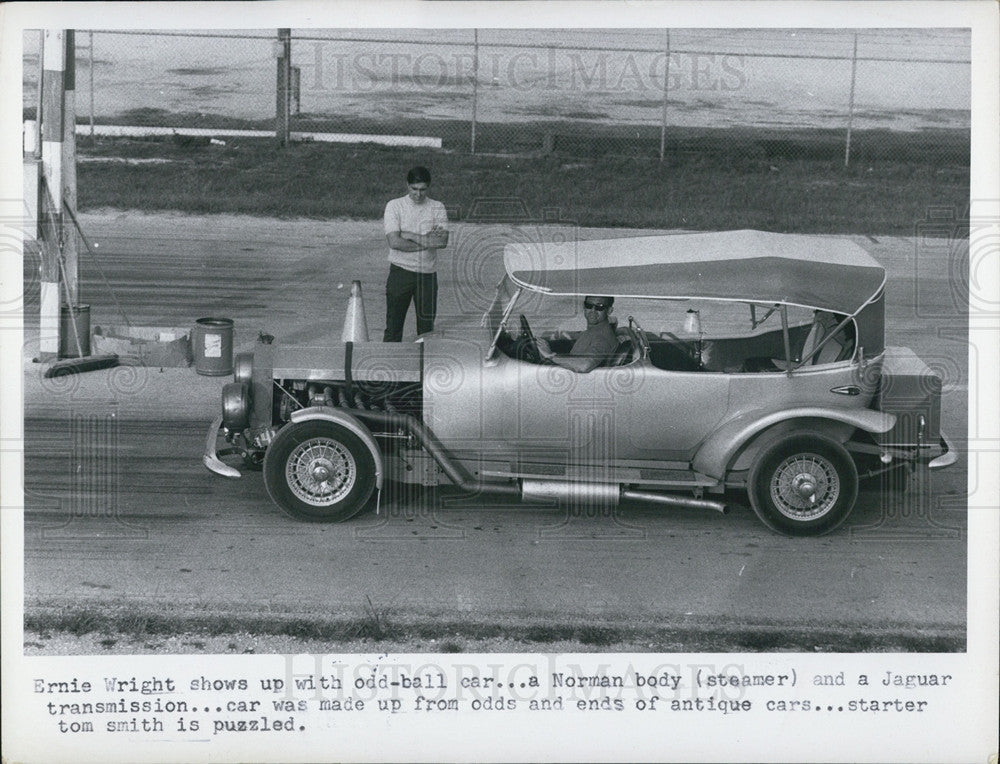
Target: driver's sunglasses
{"type": "Point", "coordinates": [590, 305]}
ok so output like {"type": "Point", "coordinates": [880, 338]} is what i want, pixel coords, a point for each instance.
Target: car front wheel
{"type": "Point", "coordinates": [804, 485]}
{"type": "Point", "coordinates": [319, 471]}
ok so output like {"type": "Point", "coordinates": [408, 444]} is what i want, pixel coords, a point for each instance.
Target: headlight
{"type": "Point", "coordinates": [243, 367]}
{"type": "Point", "coordinates": [236, 406]}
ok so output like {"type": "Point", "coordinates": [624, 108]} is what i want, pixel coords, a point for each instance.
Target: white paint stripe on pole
{"type": "Point", "coordinates": [132, 131]}
{"type": "Point", "coordinates": [48, 338]}
{"type": "Point", "coordinates": [53, 53]}
{"type": "Point", "coordinates": [29, 135]}
{"type": "Point", "coordinates": [54, 63]}
{"type": "Point", "coordinates": [52, 165]}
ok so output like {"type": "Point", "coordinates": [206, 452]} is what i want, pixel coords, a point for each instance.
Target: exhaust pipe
{"type": "Point", "coordinates": [675, 501]}
{"type": "Point", "coordinates": [531, 488]}
{"type": "Point", "coordinates": [455, 472]}
{"type": "Point", "coordinates": [601, 494]}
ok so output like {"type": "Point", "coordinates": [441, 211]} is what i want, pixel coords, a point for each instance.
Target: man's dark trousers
{"type": "Point", "coordinates": [401, 287]}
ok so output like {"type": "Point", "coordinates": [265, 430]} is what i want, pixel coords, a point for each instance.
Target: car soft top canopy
{"type": "Point", "coordinates": [820, 272]}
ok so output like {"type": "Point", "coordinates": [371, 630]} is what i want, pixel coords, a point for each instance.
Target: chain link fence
{"type": "Point", "coordinates": [575, 92]}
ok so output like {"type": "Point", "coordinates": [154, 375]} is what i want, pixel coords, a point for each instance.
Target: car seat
{"type": "Point", "coordinates": [839, 348]}
{"type": "Point", "coordinates": [627, 350]}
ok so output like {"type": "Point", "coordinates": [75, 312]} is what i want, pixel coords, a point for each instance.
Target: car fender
{"type": "Point", "coordinates": [338, 416]}
{"type": "Point", "coordinates": [716, 454]}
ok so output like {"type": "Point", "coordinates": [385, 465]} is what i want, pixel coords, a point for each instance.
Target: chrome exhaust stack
{"type": "Point", "coordinates": [672, 500]}
{"type": "Point", "coordinates": [594, 494]}
{"type": "Point", "coordinates": [608, 495]}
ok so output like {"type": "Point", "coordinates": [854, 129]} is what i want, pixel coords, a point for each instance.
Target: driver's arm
{"type": "Point", "coordinates": [581, 364]}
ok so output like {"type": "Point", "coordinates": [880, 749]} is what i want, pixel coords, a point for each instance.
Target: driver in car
{"type": "Point", "coordinates": [594, 345]}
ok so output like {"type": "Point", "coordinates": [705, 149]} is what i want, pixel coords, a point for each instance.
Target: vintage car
{"type": "Point", "coordinates": [746, 361]}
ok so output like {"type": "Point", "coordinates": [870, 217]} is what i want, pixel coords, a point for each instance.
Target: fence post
{"type": "Point", "coordinates": [283, 52]}
{"type": "Point", "coordinates": [663, 117]}
{"type": "Point", "coordinates": [850, 103]}
{"type": "Point", "coordinates": [91, 88]}
{"type": "Point", "coordinates": [475, 88]}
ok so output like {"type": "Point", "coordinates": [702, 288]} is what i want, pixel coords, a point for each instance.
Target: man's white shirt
{"type": "Point", "coordinates": [403, 214]}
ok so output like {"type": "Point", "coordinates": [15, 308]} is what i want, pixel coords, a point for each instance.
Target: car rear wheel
{"type": "Point", "coordinates": [319, 471]}
{"type": "Point", "coordinates": [804, 485]}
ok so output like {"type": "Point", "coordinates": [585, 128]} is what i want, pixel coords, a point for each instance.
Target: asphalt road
{"type": "Point", "coordinates": [121, 513]}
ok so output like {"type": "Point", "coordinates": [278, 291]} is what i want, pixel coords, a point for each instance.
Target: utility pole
{"type": "Point", "coordinates": [57, 112]}
{"type": "Point", "coordinates": [283, 106]}
{"type": "Point", "coordinates": [69, 248]}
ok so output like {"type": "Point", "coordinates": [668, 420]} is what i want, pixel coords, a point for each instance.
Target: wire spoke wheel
{"type": "Point", "coordinates": [320, 472]}
{"type": "Point", "coordinates": [804, 485]}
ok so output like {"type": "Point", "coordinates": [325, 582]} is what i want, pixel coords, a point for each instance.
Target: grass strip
{"type": "Point", "coordinates": [791, 181]}
{"type": "Point", "coordinates": [380, 630]}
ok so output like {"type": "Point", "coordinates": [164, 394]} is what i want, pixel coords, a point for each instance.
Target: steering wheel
{"type": "Point", "coordinates": [527, 345]}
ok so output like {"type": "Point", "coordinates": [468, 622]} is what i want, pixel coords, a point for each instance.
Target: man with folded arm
{"type": "Point", "coordinates": [415, 228]}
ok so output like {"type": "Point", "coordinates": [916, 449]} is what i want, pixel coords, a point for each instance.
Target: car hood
{"type": "Point", "coordinates": [367, 361]}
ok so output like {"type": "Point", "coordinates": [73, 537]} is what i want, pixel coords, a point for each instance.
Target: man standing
{"type": "Point", "coordinates": [415, 230]}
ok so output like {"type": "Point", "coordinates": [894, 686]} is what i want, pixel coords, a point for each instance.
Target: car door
{"type": "Point", "coordinates": [609, 415]}
{"type": "Point", "coordinates": [669, 413]}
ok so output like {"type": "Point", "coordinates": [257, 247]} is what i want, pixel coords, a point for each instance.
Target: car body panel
{"type": "Point", "coordinates": [716, 454]}
{"type": "Point", "coordinates": [912, 390]}
{"type": "Point", "coordinates": [529, 412]}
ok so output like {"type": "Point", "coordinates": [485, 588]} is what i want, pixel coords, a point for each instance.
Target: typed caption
{"type": "Point", "coordinates": [315, 691]}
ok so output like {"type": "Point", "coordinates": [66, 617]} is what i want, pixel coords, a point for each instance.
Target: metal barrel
{"type": "Point", "coordinates": [212, 343]}
{"type": "Point", "coordinates": [74, 331]}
